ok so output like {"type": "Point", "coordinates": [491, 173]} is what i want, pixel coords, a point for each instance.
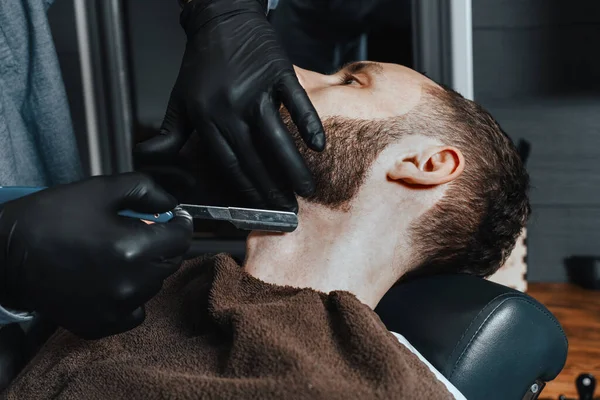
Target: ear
{"type": "Point", "coordinates": [433, 166]}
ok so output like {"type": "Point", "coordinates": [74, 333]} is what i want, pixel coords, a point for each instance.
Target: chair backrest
{"type": "Point", "coordinates": [490, 341]}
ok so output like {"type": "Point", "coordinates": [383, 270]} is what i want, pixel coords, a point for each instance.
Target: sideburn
{"type": "Point", "coordinates": [352, 145]}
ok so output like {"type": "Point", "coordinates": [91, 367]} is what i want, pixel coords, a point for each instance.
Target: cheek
{"type": "Point", "coordinates": [344, 103]}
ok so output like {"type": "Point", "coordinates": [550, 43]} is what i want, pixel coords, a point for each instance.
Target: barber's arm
{"type": "Point", "coordinates": [233, 78]}
{"type": "Point", "coordinates": [68, 256]}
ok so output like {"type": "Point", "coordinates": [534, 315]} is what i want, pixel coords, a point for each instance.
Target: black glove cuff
{"type": "Point", "coordinates": [196, 13]}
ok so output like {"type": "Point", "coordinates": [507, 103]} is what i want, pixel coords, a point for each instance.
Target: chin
{"type": "Point", "coordinates": [255, 235]}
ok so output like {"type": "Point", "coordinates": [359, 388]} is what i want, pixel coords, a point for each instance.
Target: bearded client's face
{"type": "Point", "coordinates": [364, 90]}
{"type": "Point", "coordinates": [340, 169]}
{"type": "Point", "coordinates": [349, 102]}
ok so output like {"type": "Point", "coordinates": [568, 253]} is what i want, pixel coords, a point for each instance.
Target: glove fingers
{"type": "Point", "coordinates": [282, 146]}
{"type": "Point", "coordinates": [174, 133]}
{"type": "Point", "coordinates": [160, 241]}
{"type": "Point", "coordinates": [176, 122]}
{"type": "Point", "coordinates": [138, 192]}
{"type": "Point", "coordinates": [303, 112]}
{"type": "Point", "coordinates": [256, 169]}
{"type": "Point", "coordinates": [223, 155]}
{"type": "Point", "coordinates": [162, 148]}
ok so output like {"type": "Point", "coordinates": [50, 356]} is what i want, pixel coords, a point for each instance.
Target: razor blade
{"type": "Point", "coordinates": [242, 218]}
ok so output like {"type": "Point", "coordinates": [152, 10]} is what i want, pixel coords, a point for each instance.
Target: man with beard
{"type": "Point", "coordinates": [414, 180]}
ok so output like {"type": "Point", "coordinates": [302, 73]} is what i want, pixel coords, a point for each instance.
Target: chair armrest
{"type": "Point", "coordinates": [490, 341]}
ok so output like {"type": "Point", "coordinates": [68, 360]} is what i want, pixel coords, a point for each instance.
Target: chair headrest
{"type": "Point", "coordinates": [490, 341]}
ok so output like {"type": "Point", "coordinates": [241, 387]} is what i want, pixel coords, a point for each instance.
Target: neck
{"type": "Point", "coordinates": [354, 251]}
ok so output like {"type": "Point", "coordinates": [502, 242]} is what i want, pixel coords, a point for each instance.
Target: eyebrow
{"type": "Point", "coordinates": [361, 66]}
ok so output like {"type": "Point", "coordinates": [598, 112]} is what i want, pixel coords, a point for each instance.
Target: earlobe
{"type": "Point", "coordinates": [434, 166]}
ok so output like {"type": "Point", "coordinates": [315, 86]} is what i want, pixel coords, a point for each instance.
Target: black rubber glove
{"type": "Point", "coordinates": [67, 255]}
{"type": "Point", "coordinates": [233, 77]}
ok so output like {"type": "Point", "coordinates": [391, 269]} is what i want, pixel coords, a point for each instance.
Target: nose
{"type": "Point", "coordinates": [310, 80]}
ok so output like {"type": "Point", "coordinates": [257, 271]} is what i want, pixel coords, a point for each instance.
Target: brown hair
{"type": "Point", "coordinates": [474, 228]}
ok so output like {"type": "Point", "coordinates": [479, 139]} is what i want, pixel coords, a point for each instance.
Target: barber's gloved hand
{"type": "Point", "coordinates": [232, 80]}
{"type": "Point", "coordinates": [67, 255]}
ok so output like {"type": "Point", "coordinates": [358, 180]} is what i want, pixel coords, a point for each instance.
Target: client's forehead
{"type": "Point", "coordinates": [364, 90]}
{"type": "Point", "coordinates": [397, 89]}
{"type": "Point", "coordinates": [400, 72]}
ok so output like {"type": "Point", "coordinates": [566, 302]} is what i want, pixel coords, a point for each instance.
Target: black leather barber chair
{"type": "Point", "coordinates": [491, 342]}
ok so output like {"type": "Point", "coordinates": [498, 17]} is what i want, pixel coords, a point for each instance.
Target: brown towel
{"type": "Point", "coordinates": [215, 332]}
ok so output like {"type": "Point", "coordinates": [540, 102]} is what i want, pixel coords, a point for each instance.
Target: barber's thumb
{"type": "Point", "coordinates": [163, 147]}
{"type": "Point", "coordinates": [174, 133]}
{"type": "Point", "coordinates": [170, 240]}
{"type": "Point", "coordinates": [142, 194]}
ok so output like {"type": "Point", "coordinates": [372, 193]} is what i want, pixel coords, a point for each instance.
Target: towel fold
{"type": "Point", "coordinates": [215, 332]}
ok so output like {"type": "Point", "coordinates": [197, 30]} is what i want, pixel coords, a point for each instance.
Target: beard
{"type": "Point", "coordinates": [352, 145]}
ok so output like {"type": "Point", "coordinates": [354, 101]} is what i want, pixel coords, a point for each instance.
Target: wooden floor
{"type": "Point", "coordinates": [578, 311]}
